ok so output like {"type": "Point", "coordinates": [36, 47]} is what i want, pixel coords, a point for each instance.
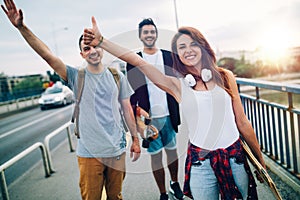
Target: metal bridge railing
{"type": "Point", "coordinates": [10, 162]}
{"type": "Point", "coordinates": [46, 155]}
{"type": "Point", "coordinates": [276, 125]}
{"type": "Point", "coordinates": [51, 135]}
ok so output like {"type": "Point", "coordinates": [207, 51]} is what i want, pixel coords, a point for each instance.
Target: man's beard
{"type": "Point", "coordinates": [95, 64]}
{"type": "Point", "coordinates": [149, 45]}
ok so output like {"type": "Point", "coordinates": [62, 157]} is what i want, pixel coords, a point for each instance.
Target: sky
{"type": "Point", "coordinates": [231, 25]}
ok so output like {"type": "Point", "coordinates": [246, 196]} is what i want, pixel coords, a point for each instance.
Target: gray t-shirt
{"type": "Point", "coordinates": [100, 126]}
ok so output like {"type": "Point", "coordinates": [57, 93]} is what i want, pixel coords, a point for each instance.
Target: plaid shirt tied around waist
{"type": "Point", "coordinates": [219, 161]}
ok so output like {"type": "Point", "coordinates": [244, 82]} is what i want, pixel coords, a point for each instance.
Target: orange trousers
{"type": "Point", "coordinates": [98, 172]}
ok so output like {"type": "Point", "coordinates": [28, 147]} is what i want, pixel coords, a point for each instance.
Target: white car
{"type": "Point", "coordinates": [57, 95]}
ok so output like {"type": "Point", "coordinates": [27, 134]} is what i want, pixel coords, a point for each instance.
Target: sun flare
{"type": "Point", "coordinates": [275, 44]}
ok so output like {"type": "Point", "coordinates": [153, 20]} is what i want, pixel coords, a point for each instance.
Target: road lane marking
{"type": "Point", "coordinates": [31, 123]}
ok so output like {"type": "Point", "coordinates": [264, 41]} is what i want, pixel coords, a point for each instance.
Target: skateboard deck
{"type": "Point", "coordinates": [144, 126]}
{"type": "Point", "coordinates": [262, 171]}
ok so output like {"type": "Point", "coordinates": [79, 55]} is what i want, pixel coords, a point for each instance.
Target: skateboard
{"type": "Point", "coordinates": [147, 131]}
{"type": "Point", "coordinates": [262, 171]}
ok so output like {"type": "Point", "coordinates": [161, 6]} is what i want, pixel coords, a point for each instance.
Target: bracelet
{"type": "Point", "coordinates": [100, 42]}
{"type": "Point", "coordinates": [134, 137]}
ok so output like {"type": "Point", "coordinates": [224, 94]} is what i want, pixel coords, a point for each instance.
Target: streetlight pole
{"type": "Point", "coordinates": [54, 37]}
{"type": "Point", "coordinates": [176, 17]}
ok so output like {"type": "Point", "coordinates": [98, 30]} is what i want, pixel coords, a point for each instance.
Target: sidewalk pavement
{"type": "Point", "coordinates": [138, 184]}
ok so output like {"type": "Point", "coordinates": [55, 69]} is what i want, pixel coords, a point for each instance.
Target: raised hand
{"type": "Point", "coordinates": [14, 15]}
{"type": "Point", "coordinates": [92, 36]}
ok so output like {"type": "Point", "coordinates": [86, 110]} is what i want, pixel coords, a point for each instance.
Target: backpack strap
{"type": "Point", "coordinates": [80, 84]}
{"type": "Point", "coordinates": [117, 80]}
{"type": "Point", "coordinates": [116, 76]}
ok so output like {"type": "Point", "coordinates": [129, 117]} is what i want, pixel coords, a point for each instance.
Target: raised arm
{"type": "Point", "coordinates": [171, 85]}
{"type": "Point", "coordinates": [16, 18]}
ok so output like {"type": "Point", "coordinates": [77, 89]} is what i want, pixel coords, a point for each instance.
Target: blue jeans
{"type": "Point", "coordinates": [204, 184]}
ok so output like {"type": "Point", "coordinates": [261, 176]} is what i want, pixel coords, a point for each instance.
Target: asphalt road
{"type": "Point", "coordinates": [21, 130]}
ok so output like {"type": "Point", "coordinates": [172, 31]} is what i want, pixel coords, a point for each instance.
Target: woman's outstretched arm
{"type": "Point", "coordinates": [171, 85]}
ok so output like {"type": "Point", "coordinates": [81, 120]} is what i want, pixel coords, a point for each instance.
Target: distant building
{"type": "Point", "coordinates": [14, 80]}
{"type": "Point", "coordinates": [4, 89]}
{"type": "Point", "coordinates": [294, 52]}
{"type": "Point", "coordinates": [7, 84]}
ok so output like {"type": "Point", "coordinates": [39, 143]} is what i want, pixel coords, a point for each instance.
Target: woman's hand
{"type": "Point", "coordinates": [92, 36]}
{"type": "Point", "coordinates": [258, 176]}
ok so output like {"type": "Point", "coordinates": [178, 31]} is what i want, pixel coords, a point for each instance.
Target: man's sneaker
{"type": "Point", "coordinates": [164, 196]}
{"type": "Point", "coordinates": [175, 190]}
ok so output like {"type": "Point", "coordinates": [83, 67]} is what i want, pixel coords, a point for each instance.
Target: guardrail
{"type": "Point", "coordinates": [10, 162]}
{"type": "Point", "coordinates": [51, 135]}
{"type": "Point", "coordinates": [46, 155]}
{"type": "Point", "coordinates": [13, 105]}
{"type": "Point", "coordinates": [277, 126]}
